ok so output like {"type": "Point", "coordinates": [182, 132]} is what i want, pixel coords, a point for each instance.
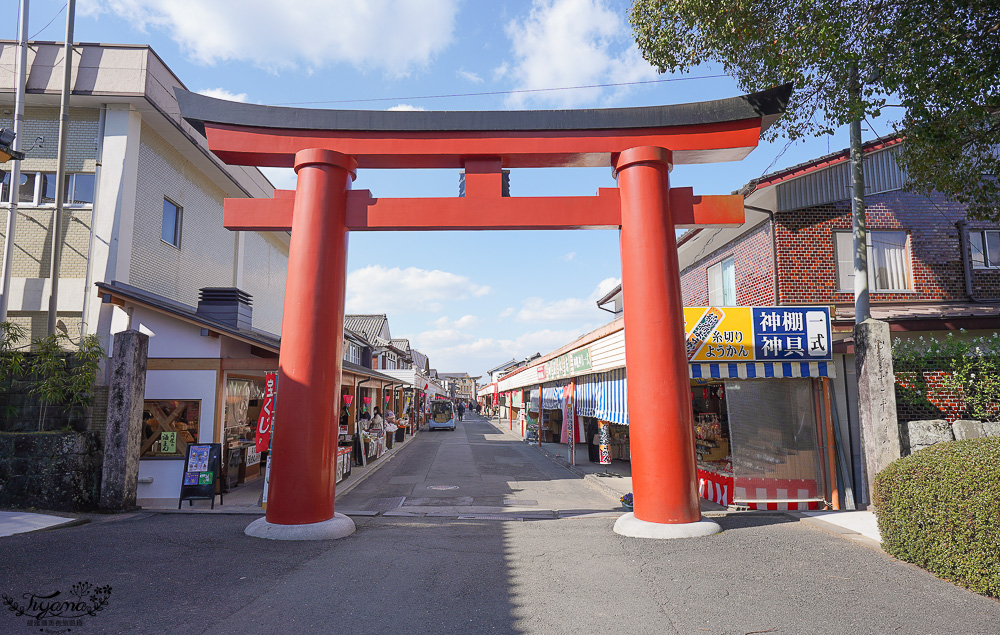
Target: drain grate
{"type": "Point", "coordinates": [443, 487]}
{"type": "Point", "coordinates": [489, 517]}
{"type": "Point", "coordinates": [383, 504]}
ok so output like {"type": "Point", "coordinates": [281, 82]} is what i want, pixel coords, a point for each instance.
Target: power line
{"type": "Point", "coordinates": [499, 92]}
{"type": "Point", "coordinates": [58, 13]}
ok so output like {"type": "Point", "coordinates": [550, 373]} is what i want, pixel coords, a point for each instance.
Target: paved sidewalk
{"type": "Point", "coordinates": [17, 522]}
{"type": "Point", "coordinates": [245, 498]}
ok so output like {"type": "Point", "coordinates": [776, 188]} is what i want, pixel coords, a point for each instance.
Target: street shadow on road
{"type": "Point", "coordinates": [752, 520]}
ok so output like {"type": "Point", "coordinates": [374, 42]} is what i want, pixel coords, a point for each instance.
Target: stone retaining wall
{"type": "Point", "coordinates": [917, 435]}
{"type": "Point", "coordinates": [50, 470]}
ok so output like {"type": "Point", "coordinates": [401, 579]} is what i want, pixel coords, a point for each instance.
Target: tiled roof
{"type": "Point", "coordinates": [419, 359]}
{"type": "Point", "coordinates": [401, 343]}
{"type": "Point", "coordinates": [369, 325]}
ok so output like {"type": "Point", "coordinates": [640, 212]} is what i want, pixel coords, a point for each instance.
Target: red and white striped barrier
{"type": "Point", "coordinates": [723, 491]}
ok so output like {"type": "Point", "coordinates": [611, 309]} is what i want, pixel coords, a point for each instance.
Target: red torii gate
{"type": "Point", "coordinates": [327, 147]}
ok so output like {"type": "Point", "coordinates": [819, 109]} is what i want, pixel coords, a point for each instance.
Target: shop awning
{"type": "Point", "coordinates": [552, 397]}
{"type": "Point", "coordinates": [612, 397]}
{"type": "Point", "coordinates": [762, 370]}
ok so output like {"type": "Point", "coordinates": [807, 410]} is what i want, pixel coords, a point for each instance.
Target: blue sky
{"type": "Point", "coordinates": [469, 300]}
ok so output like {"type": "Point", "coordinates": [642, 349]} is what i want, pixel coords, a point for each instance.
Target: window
{"type": "Point", "coordinates": [79, 189]}
{"type": "Point", "coordinates": [168, 426]}
{"type": "Point", "coordinates": [722, 283]}
{"type": "Point", "coordinates": [888, 261]}
{"type": "Point", "coordinates": [171, 230]}
{"type": "Point", "coordinates": [985, 248]}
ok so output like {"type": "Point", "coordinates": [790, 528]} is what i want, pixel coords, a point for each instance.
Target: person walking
{"type": "Point", "coordinates": [461, 410]}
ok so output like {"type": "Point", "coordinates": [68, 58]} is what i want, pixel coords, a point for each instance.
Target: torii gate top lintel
{"type": "Point", "coordinates": [483, 143]}
{"type": "Point", "coordinates": [269, 136]}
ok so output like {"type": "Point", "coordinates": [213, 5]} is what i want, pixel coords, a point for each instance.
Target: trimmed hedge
{"type": "Point", "coordinates": [940, 509]}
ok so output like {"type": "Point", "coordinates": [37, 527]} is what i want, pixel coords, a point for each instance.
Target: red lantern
{"type": "Point", "coordinates": [348, 399]}
{"type": "Point", "coordinates": [368, 400]}
{"type": "Point", "coordinates": [387, 398]}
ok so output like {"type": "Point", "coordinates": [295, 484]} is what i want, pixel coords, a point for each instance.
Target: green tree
{"type": "Point", "coordinates": [61, 378]}
{"type": "Point", "coordinates": [938, 61]}
{"type": "Point", "coordinates": [12, 363]}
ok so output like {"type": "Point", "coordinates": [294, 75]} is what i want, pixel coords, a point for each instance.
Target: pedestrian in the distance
{"type": "Point", "coordinates": [461, 410]}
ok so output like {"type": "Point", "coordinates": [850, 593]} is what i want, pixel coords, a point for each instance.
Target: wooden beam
{"type": "Point", "coordinates": [484, 212]}
{"type": "Point", "coordinates": [250, 363]}
{"type": "Point", "coordinates": [183, 363]}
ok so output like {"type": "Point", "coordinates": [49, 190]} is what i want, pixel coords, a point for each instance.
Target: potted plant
{"type": "Point", "coordinates": [627, 501]}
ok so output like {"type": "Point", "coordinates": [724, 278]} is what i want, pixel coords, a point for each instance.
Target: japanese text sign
{"type": "Point", "coordinates": [266, 419]}
{"type": "Point", "coordinates": [755, 334]}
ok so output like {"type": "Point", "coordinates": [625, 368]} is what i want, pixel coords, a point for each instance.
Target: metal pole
{"type": "Point", "coordinates": [15, 175]}
{"type": "Point", "coordinates": [862, 310]}
{"type": "Point", "coordinates": [61, 168]}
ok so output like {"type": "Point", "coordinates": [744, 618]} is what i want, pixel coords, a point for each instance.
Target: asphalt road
{"type": "Point", "coordinates": [422, 573]}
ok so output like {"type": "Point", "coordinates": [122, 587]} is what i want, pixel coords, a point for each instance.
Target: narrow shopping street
{"type": "Point", "coordinates": [472, 531]}
{"type": "Point", "coordinates": [476, 469]}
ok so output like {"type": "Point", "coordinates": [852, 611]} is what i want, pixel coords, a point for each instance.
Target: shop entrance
{"type": "Point", "coordinates": [327, 147]}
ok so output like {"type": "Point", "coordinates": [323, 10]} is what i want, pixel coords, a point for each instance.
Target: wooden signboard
{"type": "Point", "coordinates": [202, 472]}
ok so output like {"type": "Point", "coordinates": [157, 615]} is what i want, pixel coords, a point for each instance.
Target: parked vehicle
{"type": "Point", "coordinates": [442, 416]}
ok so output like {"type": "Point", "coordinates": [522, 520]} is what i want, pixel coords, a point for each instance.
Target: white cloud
{"type": "Point", "coordinates": [222, 93]}
{"type": "Point", "coordinates": [506, 313]}
{"type": "Point", "coordinates": [393, 36]}
{"type": "Point", "coordinates": [464, 322]}
{"type": "Point", "coordinates": [281, 178]}
{"type": "Point", "coordinates": [501, 71]}
{"type": "Point", "coordinates": [565, 43]}
{"type": "Point", "coordinates": [379, 289]}
{"type": "Point", "coordinates": [567, 257]}
{"type": "Point", "coordinates": [567, 309]}
{"type": "Point", "coordinates": [469, 76]}
{"type": "Point", "coordinates": [406, 108]}
{"type": "Point", "coordinates": [456, 352]}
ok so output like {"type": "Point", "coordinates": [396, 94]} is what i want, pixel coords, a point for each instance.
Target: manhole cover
{"type": "Point", "coordinates": [440, 487]}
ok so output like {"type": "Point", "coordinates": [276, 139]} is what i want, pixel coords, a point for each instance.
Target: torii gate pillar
{"type": "Point", "coordinates": [661, 426]}
{"type": "Point", "coordinates": [311, 358]}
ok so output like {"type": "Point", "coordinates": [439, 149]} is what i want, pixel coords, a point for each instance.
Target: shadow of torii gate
{"type": "Point", "coordinates": [327, 147]}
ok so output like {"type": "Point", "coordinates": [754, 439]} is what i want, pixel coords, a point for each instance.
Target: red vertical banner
{"type": "Point", "coordinates": [266, 419]}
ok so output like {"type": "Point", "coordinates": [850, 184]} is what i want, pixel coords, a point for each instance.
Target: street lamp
{"type": "Point", "coordinates": [6, 151]}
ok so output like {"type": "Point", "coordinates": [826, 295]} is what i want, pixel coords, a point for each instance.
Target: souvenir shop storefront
{"type": "Point", "coordinates": [763, 410]}
{"type": "Point", "coordinates": [361, 439]}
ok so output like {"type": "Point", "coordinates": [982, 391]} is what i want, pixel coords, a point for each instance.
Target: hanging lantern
{"type": "Point", "coordinates": [348, 399]}
{"type": "Point", "coordinates": [368, 400]}
{"type": "Point", "coordinates": [387, 397]}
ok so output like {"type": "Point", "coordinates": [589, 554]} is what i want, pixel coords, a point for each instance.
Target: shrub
{"type": "Point", "coordinates": [940, 509]}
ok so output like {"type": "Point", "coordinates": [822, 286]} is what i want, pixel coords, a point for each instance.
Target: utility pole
{"type": "Point", "coordinates": [862, 310]}
{"type": "Point", "coordinates": [872, 345]}
{"type": "Point", "coordinates": [15, 174]}
{"type": "Point", "coordinates": [61, 168]}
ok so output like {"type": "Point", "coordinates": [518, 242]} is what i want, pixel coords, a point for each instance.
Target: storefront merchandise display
{"type": "Point", "coordinates": [169, 426]}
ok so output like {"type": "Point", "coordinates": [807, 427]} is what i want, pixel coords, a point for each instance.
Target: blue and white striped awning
{"type": "Point", "coordinates": [612, 397]}
{"type": "Point", "coordinates": [762, 370]}
{"type": "Point", "coordinates": [586, 395]}
{"type": "Point", "coordinates": [552, 397]}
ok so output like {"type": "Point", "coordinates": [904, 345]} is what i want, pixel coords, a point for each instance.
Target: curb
{"type": "Point", "coordinates": [831, 528]}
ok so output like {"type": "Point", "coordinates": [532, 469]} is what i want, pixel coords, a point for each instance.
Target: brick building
{"type": "Point", "coordinates": [931, 269]}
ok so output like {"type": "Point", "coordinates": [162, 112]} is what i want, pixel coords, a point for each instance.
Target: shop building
{"type": "Point", "coordinates": [932, 270]}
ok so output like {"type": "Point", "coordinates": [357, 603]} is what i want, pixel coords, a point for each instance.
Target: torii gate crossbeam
{"type": "Point", "coordinates": [326, 148]}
